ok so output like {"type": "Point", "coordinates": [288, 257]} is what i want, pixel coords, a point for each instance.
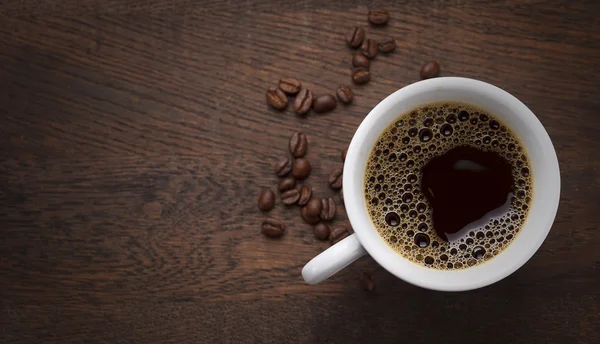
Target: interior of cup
{"type": "Point", "coordinates": [535, 140]}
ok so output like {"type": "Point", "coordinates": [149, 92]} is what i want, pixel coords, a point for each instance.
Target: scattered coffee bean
{"type": "Point", "coordinates": [355, 37]}
{"type": "Point", "coordinates": [369, 48]}
{"type": "Point", "coordinates": [324, 103]}
{"type": "Point", "coordinates": [298, 144]}
{"type": "Point", "coordinates": [273, 228]}
{"type": "Point", "coordinates": [344, 152]}
{"type": "Point", "coordinates": [313, 207]}
{"type": "Point", "coordinates": [305, 195]}
{"type": "Point", "coordinates": [311, 220]}
{"type": "Point", "coordinates": [378, 17]}
{"type": "Point", "coordinates": [289, 85]}
{"type": "Point", "coordinates": [342, 196]}
{"type": "Point", "coordinates": [430, 70]}
{"type": "Point", "coordinates": [328, 209]}
{"type": "Point", "coordinates": [338, 234]}
{"type": "Point", "coordinates": [283, 167]}
{"type": "Point", "coordinates": [387, 44]}
{"type": "Point", "coordinates": [276, 98]}
{"type": "Point", "coordinates": [360, 60]}
{"type": "Point", "coordinates": [366, 282]}
{"type": "Point", "coordinates": [336, 178]}
{"type": "Point", "coordinates": [286, 184]}
{"type": "Point", "coordinates": [303, 101]}
{"type": "Point", "coordinates": [344, 94]}
{"type": "Point", "coordinates": [266, 200]}
{"type": "Point", "coordinates": [301, 168]}
{"type": "Point", "coordinates": [290, 197]}
{"type": "Point", "coordinates": [361, 76]}
{"type": "Point", "coordinates": [321, 231]}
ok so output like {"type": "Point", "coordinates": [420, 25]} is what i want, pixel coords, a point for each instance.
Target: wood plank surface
{"type": "Point", "coordinates": [135, 139]}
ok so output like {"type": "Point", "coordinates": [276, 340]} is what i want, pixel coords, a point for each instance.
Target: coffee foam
{"type": "Point", "coordinates": [392, 184]}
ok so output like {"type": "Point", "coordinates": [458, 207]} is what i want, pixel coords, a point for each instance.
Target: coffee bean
{"type": "Point", "coordinates": [303, 101]}
{"type": "Point", "coordinates": [360, 60]}
{"type": "Point", "coordinates": [324, 103]}
{"type": "Point", "coordinates": [290, 197]}
{"type": "Point", "coordinates": [289, 85]}
{"type": "Point", "coordinates": [387, 44]}
{"type": "Point", "coordinates": [322, 231]}
{"type": "Point", "coordinates": [342, 195]}
{"type": "Point", "coordinates": [366, 282]}
{"type": "Point", "coordinates": [283, 167]}
{"type": "Point", "coordinates": [328, 209]}
{"type": "Point", "coordinates": [378, 17]}
{"type": "Point", "coordinates": [344, 94]}
{"type": "Point", "coordinates": [361, 76]}
{"type": "Point", "coordinates": [298, 144]}
{"type": "Point", "coordinates": [301, 168]}
{"type": "Point", "coordinates": [305, 195]}
{"type": "Point", "coordinates": [430, 70]}
{"type": "Point", "coordinates": [311, 220]}
{"type": "Point", "coordinates": [314, 206]}
{"type": "Point", "coordinates": [276, 98]}
{"type": "Point", "coordinates": [344, 152]}
{"type": "Point", "coordinates": [369, 48]}
{"type": "Point", "coordinates": [336, 178]}
{"type": "Point", "coordinates": [338, 234]}
{"type": "Point", "coordinates": [355, 37]}
{"type": "Point", "coordinates": [273, 228]}
{"type": "Point", "coordinates": [266, 200]}
{"type": "Point", "coordinates": [286, 184]}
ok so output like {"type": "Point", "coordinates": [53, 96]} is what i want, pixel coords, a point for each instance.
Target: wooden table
{"type": "Point", "coordinates": [135, 139]}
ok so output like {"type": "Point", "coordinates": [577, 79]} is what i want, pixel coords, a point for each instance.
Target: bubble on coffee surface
{"type": "Point", "coordinates": [398, 208]}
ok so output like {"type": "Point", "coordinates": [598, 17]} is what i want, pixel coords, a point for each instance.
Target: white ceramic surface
{"type": "Point", "coordinates": [546, 180]}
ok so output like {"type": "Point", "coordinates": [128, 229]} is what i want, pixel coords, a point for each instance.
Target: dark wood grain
{"type": "Point", "coordinates": [135, 139]}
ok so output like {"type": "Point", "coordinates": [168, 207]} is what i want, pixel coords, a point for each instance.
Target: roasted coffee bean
{"type": "Point", "coordinates": [336, 178]}
{"type": "Point", "coordinates": [344, 152]}
{"type": "Point", "coordinates": [378, 17]}
{"type": "Point", "coordinates": [338, 234]}
{"type": "Point", "coordinates": [301, 168]}
{"type": "Point", "coordinates": [298, 144]}
{"type": "Point", "coordinates": [276, 98]}
{"type": "Point", "coordinates": [273, 228]}
{"type": "Point", "coordinates": [369, 48]}
{"type": "Point", "coordinates": [366, 282]}
{"type": "Point", "coordinates": [290, 197]}
{"type": "Point", "coordinates": [361, 76]}
{"type": "Point", "coordinates": [324, 103]}
{"type": "Point", "coordinates": [289, 85]}
{"type": "Point", "coordinates": [311, 220]}
{"type": "Point", "coordinates": [360, 60]}
{"type": "Point", "coordinates": [430, 70]}
{"type": "Point", "coordinates": [314, 206]}
{"type": "Point", "coordinates": [286, 184]}
{"type": "Point", "coordinates": [387, 44]}
{"type": "Point", "coordinates": [355, 37]}
{"type": "Point", "coordinates": [328, 209]}
{"type": "Point", "coordinates": [305, 194]}
{"type": "Point", "coordinates": [321, 231]}
{"type": "Point", "coordinates": [303, 101]}
{"type": "Point", "coordinates": [342, 195]}
{"type": "Point", "coordinates": [283, 166]}
{"type": "Point", "coordinates": [266, 200]}
{"type": "Point", "coordinates": [344, 94]}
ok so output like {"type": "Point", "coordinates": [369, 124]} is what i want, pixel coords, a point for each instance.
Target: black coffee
{"type": "Point", "coordinates": [448, 185]}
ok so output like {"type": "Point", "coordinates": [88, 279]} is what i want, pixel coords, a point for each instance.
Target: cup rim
{"type": "Point", "coordinates": [402, 267]}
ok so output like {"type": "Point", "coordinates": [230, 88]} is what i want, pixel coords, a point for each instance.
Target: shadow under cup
{"type": "Point", "coordinates": [510, 111]}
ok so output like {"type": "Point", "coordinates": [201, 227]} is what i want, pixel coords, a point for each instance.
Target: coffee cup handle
{"type": "Point", "coordinates": [332, 260]}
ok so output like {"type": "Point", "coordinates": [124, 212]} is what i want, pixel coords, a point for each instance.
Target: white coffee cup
{"type": "Point", "coordinates": [544, 204]}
